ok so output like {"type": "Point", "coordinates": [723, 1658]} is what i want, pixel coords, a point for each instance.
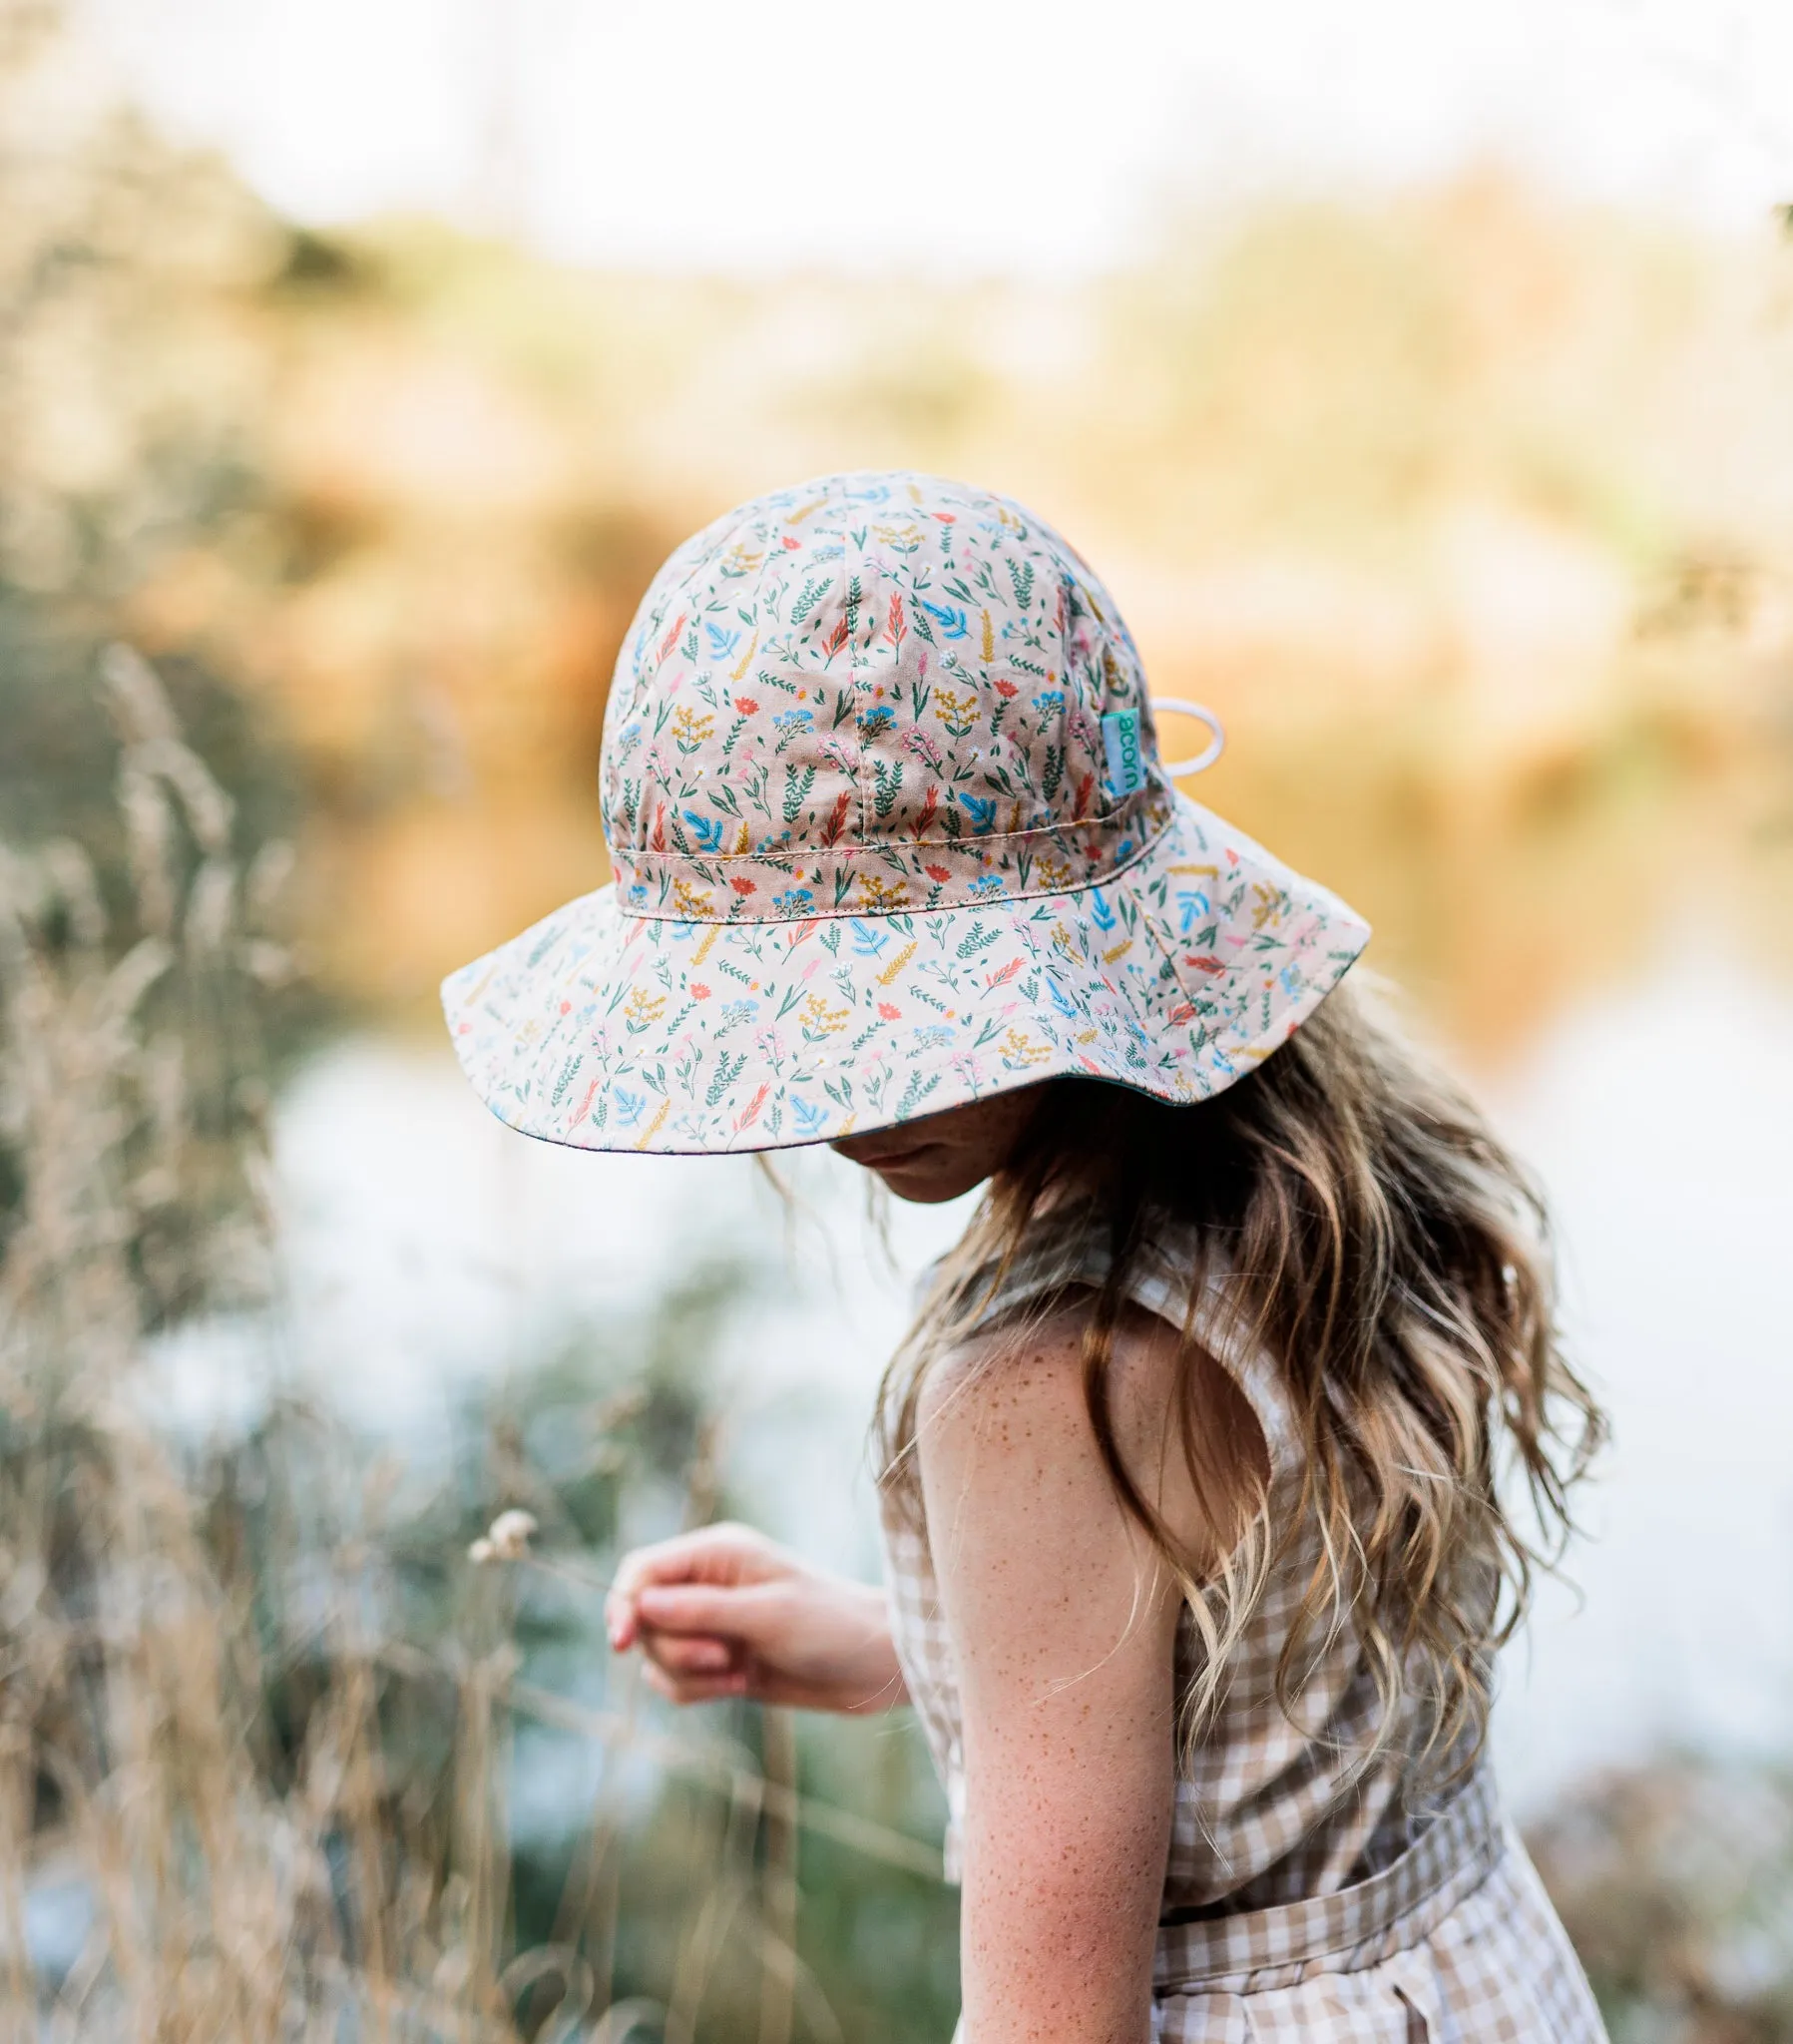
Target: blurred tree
{"type": "Point", "coordinates": [132, 389]}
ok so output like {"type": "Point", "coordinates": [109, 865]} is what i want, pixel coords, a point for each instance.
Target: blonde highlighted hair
{"type": "Point", "coordinates": [1366, 1231]}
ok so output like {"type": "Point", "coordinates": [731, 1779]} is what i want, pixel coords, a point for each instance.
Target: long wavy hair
{"type": "Point", "coordinates": [1345, 1212]}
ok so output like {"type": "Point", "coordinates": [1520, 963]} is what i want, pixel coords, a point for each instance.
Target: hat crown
{"type": "Point", "coordinates": [871, 693]}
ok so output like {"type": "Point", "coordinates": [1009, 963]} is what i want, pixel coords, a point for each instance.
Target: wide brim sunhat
{"type": "Point", "coordinates": [890, 833]}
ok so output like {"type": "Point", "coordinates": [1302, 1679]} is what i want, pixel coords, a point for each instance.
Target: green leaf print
{"type": "Point", "coordinates": [814, 592]}
{"type": "Point", "coordinates": [727, 1071]}
{"type": "Point", "coordinates": [914, 1094]}
{"type": "Point", "coordinates": [798, 781]}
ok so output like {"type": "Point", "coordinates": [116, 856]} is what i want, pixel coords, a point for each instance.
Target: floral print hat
{"type": "Point", "coordinates": [889, 833]}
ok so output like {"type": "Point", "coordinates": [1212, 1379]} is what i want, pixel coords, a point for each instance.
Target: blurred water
{"type": "Point", "coordinates": [429, 1246]}
{"type": "Point", "coordinates": [1662, 1122]}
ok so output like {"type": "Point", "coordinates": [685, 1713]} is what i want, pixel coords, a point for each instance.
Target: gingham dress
{"type": "Point", "coordinates": [1296, 1905]}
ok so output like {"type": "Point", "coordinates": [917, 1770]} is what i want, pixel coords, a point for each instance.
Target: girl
{"type": "Point", "coordinates": [1200, 1544]}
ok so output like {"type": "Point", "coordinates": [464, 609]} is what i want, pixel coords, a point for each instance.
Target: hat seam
{"type": "Point", "coordinates": [852, 851]}
{"type": "Point", "coordinates": [1106, 819]}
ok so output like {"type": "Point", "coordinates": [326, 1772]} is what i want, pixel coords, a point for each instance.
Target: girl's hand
{"type": "Point", "coordinates": [724, 1612]}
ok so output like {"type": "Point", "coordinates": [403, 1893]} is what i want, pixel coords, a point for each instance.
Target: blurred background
{"type": "Point", "coordinates": [1421, 383]}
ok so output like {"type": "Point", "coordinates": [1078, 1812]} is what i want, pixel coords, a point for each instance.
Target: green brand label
{"type": "Point", "coordinates": [1120, 741]}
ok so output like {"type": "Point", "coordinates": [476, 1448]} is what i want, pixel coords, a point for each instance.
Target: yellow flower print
{"type": "Point", "coordinates": [691, 728]}
{"type": "Point", "coordinates": [957, 708]}
{"type": "Point", "coordinates": [878, 896]}
{"type": "Point", "coordinates": [1018, 1049]}
{"type": "Point", "coordinates": [1268, 905]}
{"type": "Point", "coordinates": [905, 538]}
{"type": "Point", "coordinates": [642, 1009]}
{"type": "Point", "coordinates": [693, 902]}
{"type": "Point", "coordinates": [891, 972]}
{"type": "Point", "coordinates": [1055, 873]}
{"type": "Point", "coordinates": [819, 1020]}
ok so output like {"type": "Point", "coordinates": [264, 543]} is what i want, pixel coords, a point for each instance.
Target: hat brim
{"type": "Point", "coordinates": [604, 1030]}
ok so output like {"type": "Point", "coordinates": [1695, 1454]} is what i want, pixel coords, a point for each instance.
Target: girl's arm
{"type": "Point", "coordinates": [1063, 1626]}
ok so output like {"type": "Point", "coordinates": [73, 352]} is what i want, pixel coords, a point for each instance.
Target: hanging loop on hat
{"type": "Point", "coordinates": [1210, 753]}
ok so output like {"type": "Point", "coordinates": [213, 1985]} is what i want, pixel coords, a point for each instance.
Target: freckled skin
{"type": "Point", "coordinates": [1062, 1623]}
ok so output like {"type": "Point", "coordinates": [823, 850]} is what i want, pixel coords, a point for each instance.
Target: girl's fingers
{"type": "Point", "coordinates": [682, 1656]}
{"type": "Point", "coordinates": [695, 1689]}
{"type": "Point", "coordinates": [700, 1608]}
{"type": "Point", "coordinates": [715, 1553]}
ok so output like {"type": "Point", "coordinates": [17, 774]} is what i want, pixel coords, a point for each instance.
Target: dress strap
{"type": "Point", "coordinates": [1161, 1289]}
{"type": "Point", "coordinates": [1070, 1249]}
{"type": "Point", "coordinates": [1373, 1919]}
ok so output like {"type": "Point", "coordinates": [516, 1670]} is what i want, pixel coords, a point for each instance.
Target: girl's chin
{"type": "Point", "coordinates": [922, 1183]}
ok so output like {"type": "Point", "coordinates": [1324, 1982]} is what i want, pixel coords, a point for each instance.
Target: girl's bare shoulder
{"type": "Point", "coordinates": [1156, 1405]}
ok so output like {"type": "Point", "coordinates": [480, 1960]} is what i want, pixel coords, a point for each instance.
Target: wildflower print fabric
{"type": "Point", "coordinates": [889, 832]}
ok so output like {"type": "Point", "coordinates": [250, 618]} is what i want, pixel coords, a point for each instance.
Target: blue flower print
{"type": "Point", "coordinates": [1192, 906]}
{"type": "Point", "coordinates": [982, 811]}
{"type": "Point", "coordinates": [794, 900]}
{"type": "Point", "coordinates": [950, 619]}
{"type": "Point", "coordinates": [1061, 999]}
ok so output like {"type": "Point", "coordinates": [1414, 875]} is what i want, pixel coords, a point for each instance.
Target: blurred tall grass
{"type": "Point", "coordinates": [288, 1746]}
